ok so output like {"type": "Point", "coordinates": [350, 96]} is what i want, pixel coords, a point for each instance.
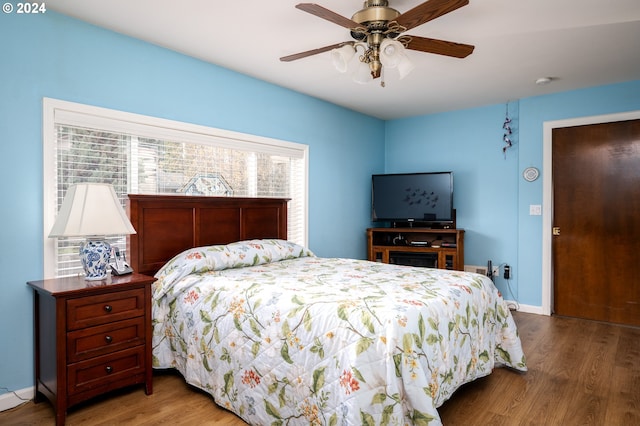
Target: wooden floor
{"type": "Point", "coordinates": [580, 373]}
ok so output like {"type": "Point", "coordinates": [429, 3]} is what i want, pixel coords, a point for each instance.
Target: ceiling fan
{"type": "Point", "coordinates": [378, 30]}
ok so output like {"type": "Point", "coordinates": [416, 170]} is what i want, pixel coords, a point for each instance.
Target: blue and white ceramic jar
{"type": "Point", "coordinates": [94, 255]}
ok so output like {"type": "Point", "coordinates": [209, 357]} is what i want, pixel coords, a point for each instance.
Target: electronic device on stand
{"type": "Point", "coordinates": [119, 265]}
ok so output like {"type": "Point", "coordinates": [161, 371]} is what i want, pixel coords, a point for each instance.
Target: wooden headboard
{"type": "Point", "coordinates": [166, 225]}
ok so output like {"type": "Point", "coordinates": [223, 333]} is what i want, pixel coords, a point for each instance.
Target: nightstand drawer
{"type": "Point", "coordinates": [106, 371]}
{"type": "Point", "coordinates": [103, 339]}
{"type": "Point", "coordinates": [104, 308]}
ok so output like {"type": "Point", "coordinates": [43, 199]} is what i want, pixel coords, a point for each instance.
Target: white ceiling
{"type": "Point", "coordinates": [578, 43]}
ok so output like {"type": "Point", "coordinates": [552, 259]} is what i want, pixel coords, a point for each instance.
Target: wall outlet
{"type": "Point", "coordinates": [496, 271]}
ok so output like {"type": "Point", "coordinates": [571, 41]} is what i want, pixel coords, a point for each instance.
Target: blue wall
{"type": "Point", "coordinates": [534, 111]}
{"type": "Point", "coordinates": [469, 143]}
{"type": "Point", "coordinates": [54, 56]}
{"type": "Point", "coordinates": [491, 197]}
{"type": "Point", "coordinates": [58, 57]}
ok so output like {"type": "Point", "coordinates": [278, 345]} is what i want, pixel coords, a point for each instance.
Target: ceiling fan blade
{"type": "Point", "coordinates": [440, 47]}
{"type": "Point", "coordinates": [301, 55]}
{"type": "Point", "coordinates": [428, 11]}
{"type": "Point", "coordinates": [321, 12]}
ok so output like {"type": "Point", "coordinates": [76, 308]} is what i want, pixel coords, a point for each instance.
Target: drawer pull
{"type": "Point", "coordinates": [108, 308]}
{"type": "Point", "coordinates": [108, 339]}
{"type": "Point", "coordinates": [108, 369]}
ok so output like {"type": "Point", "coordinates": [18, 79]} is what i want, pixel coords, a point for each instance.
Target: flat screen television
{"type": "Point", "coordinates": [413, 199]}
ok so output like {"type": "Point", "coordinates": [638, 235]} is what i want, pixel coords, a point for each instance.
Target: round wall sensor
{"type": "Point", "coordinates": [530, 174]}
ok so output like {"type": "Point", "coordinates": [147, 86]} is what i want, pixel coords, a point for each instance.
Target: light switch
{"type": "Point", "coordinates": [535, 210]}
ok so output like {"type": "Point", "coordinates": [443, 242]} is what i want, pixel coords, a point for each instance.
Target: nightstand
{"type": "Point", "coordinates": [91, 337]}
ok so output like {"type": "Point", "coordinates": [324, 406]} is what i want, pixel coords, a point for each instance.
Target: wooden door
{"type": "Point", "coordinates": [596, 210]}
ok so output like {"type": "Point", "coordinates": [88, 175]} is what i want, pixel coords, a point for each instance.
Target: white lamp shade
{"type": "Point", "coordinates": [362, 73]}
{"type": "Point", "coordinates": [391, 53]}
{"type": "Point", "coordinates": [91, 209]}
{"type": "Point", "coordinates": [342, 56]}
{"type": "Point", "coordinates": [405, 67]}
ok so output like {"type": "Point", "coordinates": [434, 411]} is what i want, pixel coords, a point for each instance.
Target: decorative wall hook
{"type": "Point", "coordinates": [506, 137]}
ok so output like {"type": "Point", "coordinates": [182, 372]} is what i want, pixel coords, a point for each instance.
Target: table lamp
{"type": "Point", "coordinates": [92, 210]}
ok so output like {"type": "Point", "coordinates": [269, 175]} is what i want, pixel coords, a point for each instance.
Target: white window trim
{"type": "Point", "coordinates": [81, 114]}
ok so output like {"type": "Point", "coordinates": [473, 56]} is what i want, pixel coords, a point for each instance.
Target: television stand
{"type": "Point", "coordinates": [432, 248]}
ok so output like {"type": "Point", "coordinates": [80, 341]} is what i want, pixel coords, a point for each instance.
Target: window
{"type": "Point", "coordinates": [146, 155]}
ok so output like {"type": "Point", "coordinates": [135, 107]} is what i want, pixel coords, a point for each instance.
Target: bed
{"type": "Point", "coordinates": [278, 335]}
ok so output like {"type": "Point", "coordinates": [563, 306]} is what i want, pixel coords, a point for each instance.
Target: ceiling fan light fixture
{"type": "Point", "coordinates": [391, 53]}
{"type": "Point", "coordinates": [342, 56]}
{"type": "Point", "coordinates": [405, 67]}
{"type": "Point", "coordinates": [379, 30]}
{"type": "Point", "coordinates": [362, 73]}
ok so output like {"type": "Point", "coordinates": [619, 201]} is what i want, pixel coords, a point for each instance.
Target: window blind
{"type": "Point", "coordinates": [145, 155]}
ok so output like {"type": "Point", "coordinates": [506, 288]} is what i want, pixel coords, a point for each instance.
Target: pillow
{"type": "Point", "coordinates": [219, 257]}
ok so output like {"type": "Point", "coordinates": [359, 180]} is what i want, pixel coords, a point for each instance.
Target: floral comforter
{"type": "Point", "coordinates": [280, 336]}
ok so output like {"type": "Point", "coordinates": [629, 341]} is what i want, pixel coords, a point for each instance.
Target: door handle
{"type": "Point", "coordinates": [556, 230]}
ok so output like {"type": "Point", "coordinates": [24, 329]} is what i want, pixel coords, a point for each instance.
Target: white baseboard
{"type": "Point", "coordinates": [529, 309]}
{"type": "Point", "coordinates": [15, 398]}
